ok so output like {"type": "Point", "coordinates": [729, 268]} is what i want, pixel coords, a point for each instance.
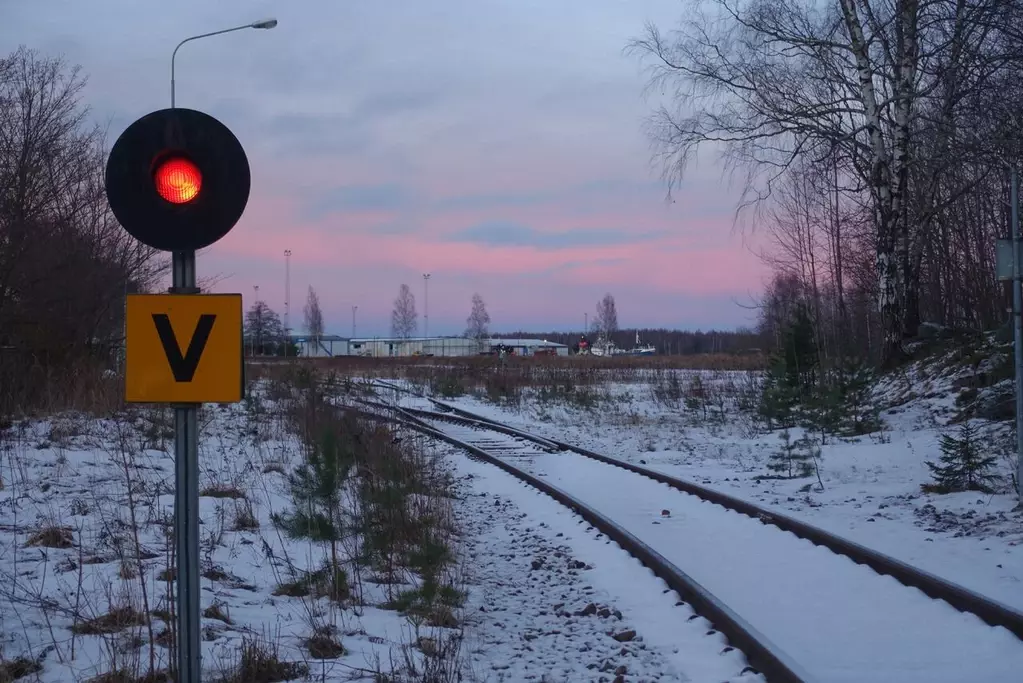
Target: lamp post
{"type": "Point", "coordinates": [287, 300]}
{"type": "Point", "coordinates": [426, 304]}
{"type": "Point", "coordinates": [262, 23]}
{"type": "Point", "coordinates": [186, 465]}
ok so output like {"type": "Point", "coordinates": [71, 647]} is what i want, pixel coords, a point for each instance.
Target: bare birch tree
{"type": "Point", "coordinates": [404, 319]}
{"type": "Point", "coordinates": [606, 321]}
{"type": "Point", "coordinates": [856, 81]}
{"type": "Point", "coordinates": [313, 316]}
{"type": "Point", "coordinates": [478, 322]}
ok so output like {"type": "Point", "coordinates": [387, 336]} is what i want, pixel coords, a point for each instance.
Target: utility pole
{"type": "Point", "coordinates": [287, 300]}
{"type": "Point", "coordinates": [258, 332]}
{"type": "Point", "coordinates": [1017, 319]}
{"type": "Point", "coordinates": [426, 304]}
{"type": "Point", "coordinates": [586, 323]}
{"type": "Point", "coordinates": [354, 309]}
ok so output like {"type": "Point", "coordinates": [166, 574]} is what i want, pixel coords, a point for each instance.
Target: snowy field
{"type": "Point", "coordinates": [86, 540]}
{"type": "Point", "coordinates": [85, 543]}
{"type": "Point", "coordinates": [871, 484]}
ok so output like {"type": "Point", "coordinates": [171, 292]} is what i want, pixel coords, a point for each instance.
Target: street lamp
{"type": "Point", "coordinates": [287, 300]}
{"type": "Point", "coordinates": [426, 304]}
{"type": "Point", "coordinates": [262, 23]}
{"type": "Point", "coordinates": [186, 499]}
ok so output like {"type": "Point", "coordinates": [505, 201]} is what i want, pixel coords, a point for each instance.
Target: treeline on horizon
{"type": "Point", "coordinates": [667, 342]}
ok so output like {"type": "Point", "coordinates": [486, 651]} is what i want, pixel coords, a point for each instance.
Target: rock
{"type": "Point", "coordinates": [536, 564]}
{"type": "Point", "coordinates": [996, 405]}
{"type": "Point", "coordinates": [604, 613]}
{"type": "Point", "coordinates": [622, 670]}
{"type": "Point", "coordinates": [590, 609]}
{"type": "Point", "coordinates": [929, 330]}
{"type": "Point", "coordinates": [665, 513]}
{"type": "Point", "coordinates": [624, 636]}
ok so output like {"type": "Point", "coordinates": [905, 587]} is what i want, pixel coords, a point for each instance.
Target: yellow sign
{"type": "Point", "coordinates": [184, 348]}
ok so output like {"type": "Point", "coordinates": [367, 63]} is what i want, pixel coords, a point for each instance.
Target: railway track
{"type": "Point", "coordinates": [794, 596]}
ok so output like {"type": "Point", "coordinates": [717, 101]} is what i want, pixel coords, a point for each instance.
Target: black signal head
{"type": "Point", "coordinates": [177, 180]}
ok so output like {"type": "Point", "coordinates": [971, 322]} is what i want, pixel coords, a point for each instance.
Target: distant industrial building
{"type": "Point", "coordinates": [531, 347]}
{"type": "Point", "coordinates": [327, 346]}
{"type": "Point", "coordinates": [331, 346]}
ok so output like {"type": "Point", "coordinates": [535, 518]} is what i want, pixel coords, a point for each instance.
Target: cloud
{"type": "Point", "coordinates": [387, 197]}
{"type": "Point", "coordinates": [505, 234]}
{"type": "Point", "coordinates": [391, 139]}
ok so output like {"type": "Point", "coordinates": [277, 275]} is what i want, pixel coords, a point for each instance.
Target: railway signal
{"type": "Point", "coordinates": [178, 180]}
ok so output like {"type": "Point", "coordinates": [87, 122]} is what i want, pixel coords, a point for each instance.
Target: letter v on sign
{"type": "Point", "coordinates": [183, 366]}
{"type": "Point", "coordinates": [184, 348]}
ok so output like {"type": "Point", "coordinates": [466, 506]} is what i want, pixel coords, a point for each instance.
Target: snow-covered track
{"type": "Point", "coordinates": [990, 611]}
{"type": "Point", "coordinates": [763, 656]}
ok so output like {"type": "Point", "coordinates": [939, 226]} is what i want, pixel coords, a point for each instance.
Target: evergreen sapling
{"type": "Point", "coordinates": [962, 466]}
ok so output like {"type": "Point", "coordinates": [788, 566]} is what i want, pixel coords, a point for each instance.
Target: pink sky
{"type": "Point", "coordinates": [497, 146]}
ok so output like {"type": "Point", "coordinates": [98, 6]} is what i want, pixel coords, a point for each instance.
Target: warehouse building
{"type": "Point", "coordinates": [415, 346]}
{"type": "Point", "coordinates": [327, 346]}
{"type": "Point", "coordinates": [532, 347]}
{"type": "Point", "coordinates": [330, 346]}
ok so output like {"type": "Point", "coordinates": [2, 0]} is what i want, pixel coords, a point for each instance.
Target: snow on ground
{"type": "Point", "coordinates": [872, 483]}
{"type": "Point", "coordinates": [839, 620]}
{"type": "Point", "coordinates": [555, 600]}
{"type": "Point", "coordinates": [85, 542]}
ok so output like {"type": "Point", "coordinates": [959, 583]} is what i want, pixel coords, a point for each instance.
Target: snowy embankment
{"type": "Point", "coordinates": [86, 530]}
{"type": "Point", "coordinates": [872, 483]}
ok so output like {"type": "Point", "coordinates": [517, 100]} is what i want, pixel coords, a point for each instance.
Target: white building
{"type": "Point", "coordinates": [327, 346]}
{"type": "Point", "coordinates": [382, 347]}
{"type": "Point", "coordinates": [532, 347]}
{"type": "Point", "coordinates": [330, 345]}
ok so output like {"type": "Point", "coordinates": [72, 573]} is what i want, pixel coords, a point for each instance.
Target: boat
{"type": "Point", "coordinates": [641, 349]}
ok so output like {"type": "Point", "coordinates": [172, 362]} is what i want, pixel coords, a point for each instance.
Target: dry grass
{"type": "Point", "coordinates": [14, 669]}
{"type": "Point", "coordinates": [259, 662]}
{"type": "Point", "coordinates": [222, 491]}
{"type": "Point", "coordinates": [111, 622]}
{"type": "Point", "coordinates": [355, 366]}
{"type": "Point", "coordinates": [52, 537]}
{"type": "Point", "coordinates": [28, 389]}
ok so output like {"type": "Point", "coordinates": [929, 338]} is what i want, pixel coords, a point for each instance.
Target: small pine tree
{"type": "Point", "coordinates": [794, 458]}
{"type": "Point", "coordinates": [962, 467]}
{"type": "Point", "coordinates": [777, 398]}
{"type": "Point", "coordinates": [316, 489]}
{"type": "Point", "coordinates": [854, 382]}
{"type": "Point", "coordinates": [800, 352]}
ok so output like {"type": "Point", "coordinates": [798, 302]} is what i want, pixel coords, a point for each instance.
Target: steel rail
{"type": "Point", "coordinates": [992, 612]}
{"type": "Point", "coordinates": [762, 655]}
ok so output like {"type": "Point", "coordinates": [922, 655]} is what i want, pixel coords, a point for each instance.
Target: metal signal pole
{"type": "Point", "coordinates": [186, 503]}
{"type": "Point", "coordinates": [1017, 319]}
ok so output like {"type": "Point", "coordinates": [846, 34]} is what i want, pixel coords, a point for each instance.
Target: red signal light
{"type": "Point", "coordinates": [178, 180]}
